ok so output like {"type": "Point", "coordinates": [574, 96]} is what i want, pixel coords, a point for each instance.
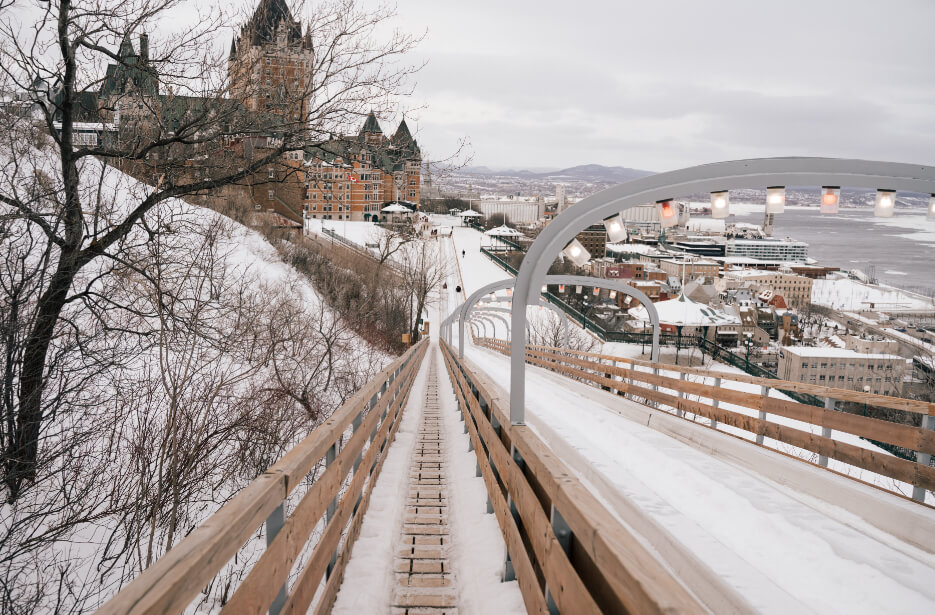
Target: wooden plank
{"type": "Point", "coordinates": [302, 458]}
{"type": "Point", "coordinates": [169, 585]}
{"type": "Point", "coordinates": [307, 584]}
{"type": "Point", "coordinates": [640, 582]}
{"type": "Point", "coordinates": [567, 589]}
{"type": "Point", "coordinates": [333, 585]}
{"type": "Point", "coordinates": [522, 564]}
{"type": "Point", "coordinates": [907, 436]}
{"type": "Point", "coordinates": [259, 588]}
{"type": "Point", "coordinates": [883, 401]}
{"type": "Point", "coordinates": [880, 463]}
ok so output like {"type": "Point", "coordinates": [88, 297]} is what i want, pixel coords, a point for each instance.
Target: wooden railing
{"type": "Point", "coordinates": [566, 550]}
{"type": "Point", "coordinates": [372, 417]}
{"type": "Point", "coordinates": [625, 377]}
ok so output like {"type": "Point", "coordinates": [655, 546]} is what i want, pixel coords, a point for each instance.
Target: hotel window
{"type": "Point", "coordinates": [272, 174]}
{"type": "Point", "coordinates": [269, 195]}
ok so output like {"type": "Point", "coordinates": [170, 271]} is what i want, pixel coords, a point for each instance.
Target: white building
{"type": "Point", "coordinates": [843, 368]}
{"type": "Point", "coordinates": [768, 249]}
{"type": "Point", "coordinates": [518, 209]}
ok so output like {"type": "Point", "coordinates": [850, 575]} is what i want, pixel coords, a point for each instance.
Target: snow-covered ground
{"type": "Point", "coordinates": [476, 549]}
{"type": "Point", "coordinates": [851, 295]}
{"type": "Point", "coordinates": [782, 551]}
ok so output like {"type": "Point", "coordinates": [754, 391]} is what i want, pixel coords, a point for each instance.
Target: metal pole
{"type": "Point", "coordinates": [826, 432]}
{"type": "Point", "coordinates": [923, 459]}
{"type": "Point", "coordinates": [764, 392]}
{"type": "Point", "coordinates": [274, 523]}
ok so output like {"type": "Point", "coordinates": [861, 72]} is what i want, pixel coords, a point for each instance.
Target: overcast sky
{"type": "Point", "coordinates": [663, 84]}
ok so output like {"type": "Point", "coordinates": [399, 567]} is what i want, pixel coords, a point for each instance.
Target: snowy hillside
{"type": "Point", "coordinates": [187, 360]}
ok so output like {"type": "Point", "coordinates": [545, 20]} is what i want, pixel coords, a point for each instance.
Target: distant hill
{"type": "Point", "coordinates": [592, 172]}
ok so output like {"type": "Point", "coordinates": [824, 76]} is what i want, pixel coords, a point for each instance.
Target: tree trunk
{"type": "Point", "coordinates": [22, 462]}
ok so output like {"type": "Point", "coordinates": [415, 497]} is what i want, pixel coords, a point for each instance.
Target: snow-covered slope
{"type": "Point", "coordinates": [190, 359]}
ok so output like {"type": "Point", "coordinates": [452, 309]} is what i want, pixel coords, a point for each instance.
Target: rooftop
{"type": "Point", "coordinates": [836, 353]}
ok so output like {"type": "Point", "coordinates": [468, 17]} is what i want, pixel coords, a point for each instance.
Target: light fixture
{"type": "Point", "coordinates": [561, 288]}
{"type": "Point", "coordinates": [667, 213]}
{"type": "Point", "coordinates": [576, 252]}
{"type": "Point", "coordinates": [830, 196]}
{"type": "Point", "coordinates": [885, 204]}
{"type": "Point", "coordinates": [775, 200]}
{"type": "Point", "coordinates": [931, 214]}
{"type": "Point", "coordinates": [597, 291]}
{"type": "Point", "coordinates": [720, 204]}
{"type": "Point", "coordinates": [509, 292]}
{"type": "Point", "coordinates": [616, 229]}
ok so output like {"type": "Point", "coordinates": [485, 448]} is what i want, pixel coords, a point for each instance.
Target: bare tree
{"type": "Point", "coordinates": [179, 114]}
{"type": "Point", "coordinates": [423, 271]}
{"type": "Point", "coordinates": [547, 329]}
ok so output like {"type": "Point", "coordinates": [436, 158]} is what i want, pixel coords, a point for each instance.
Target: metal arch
{"type": "Point", "coordinates": [486, 320]}
{"type": "Point", "coordinates": [487, 308]}
{"type": "Point", "coordinates": [464, 310]}
{"type": "Point", "coordinates": [757, 173]}
{"type": "Point", "coordinates": [491, 312]}
{"type": "Point", "coordinates": [542, 303]}
{"type": "Point", "coordinates": [476, 328]}
{"type": "Point", "coordinates": [481, 321]}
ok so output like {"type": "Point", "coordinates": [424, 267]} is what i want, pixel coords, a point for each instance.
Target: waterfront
{"type": "Point", "coordinates": [900, 248]}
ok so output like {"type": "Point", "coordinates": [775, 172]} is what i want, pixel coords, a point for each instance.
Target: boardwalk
{"type": "Point", "coordinates": [425, 583]}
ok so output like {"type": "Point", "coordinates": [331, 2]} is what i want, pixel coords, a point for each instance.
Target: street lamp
{"type": "Point", "coordinates": [720, 204]}
{"type": "Point", "coordinates": [577, 253]}
{"type": "Point", "coordinates": [830, 195]}
{"type": "Point", "coordinates": [616, 230]}
{"type": "Point", "coordinates": [667, 213]}
{"type": "Point", "coordinates": [775, 200]}
{"type": "Point", "coordinates": [885, 203]}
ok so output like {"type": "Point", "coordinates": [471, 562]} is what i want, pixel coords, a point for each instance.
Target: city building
{"type": "Point", "coordinates": [270, 61]}
{"type": "Point", "coordinates": [594, 240]}
{"type": "Point", "coordinates": [686, 268]}
{"type": "Point", "coordinates": [867, 344]}
{"type": "Point", "coordinates": [607, 268]}
{"type": "Point", "coordinates": [795, 289]}
{"type": "Point", "coordinates": [767, 249]}
{"type": "Point", "coordinates": [843, 368]}
{"type": "Point", "coordinates": [352, 178]}
{"type": "Point", "coordinates": [516, 209]}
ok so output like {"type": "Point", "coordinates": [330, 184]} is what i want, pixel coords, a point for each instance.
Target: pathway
{"type": "Point", "coordinates": [425, 584]}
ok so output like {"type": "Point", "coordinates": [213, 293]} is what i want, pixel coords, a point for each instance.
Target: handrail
{"type": "Point", "coordinates": [884, 401]}
{"type": "Point", "coordinates": [567, 551]}
{"type": "Point", "coordinates": [623, 380]}
{"type": "Point", "coordinates": [373, 413]}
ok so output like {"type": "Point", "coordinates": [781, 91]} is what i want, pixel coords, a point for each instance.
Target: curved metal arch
{"type": "Point", "coordinates": [464, 310]}
{"type": "Point", "coordinates": [542, 303]}
{"type": "Point", "coordinates": [486, 320]}
{"type": "Point", "coordinates": [490, 311]}
{"type": "Point", "coordinates": [757, 173]}
{"type": "Point", "coordinates": [482, 322]}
